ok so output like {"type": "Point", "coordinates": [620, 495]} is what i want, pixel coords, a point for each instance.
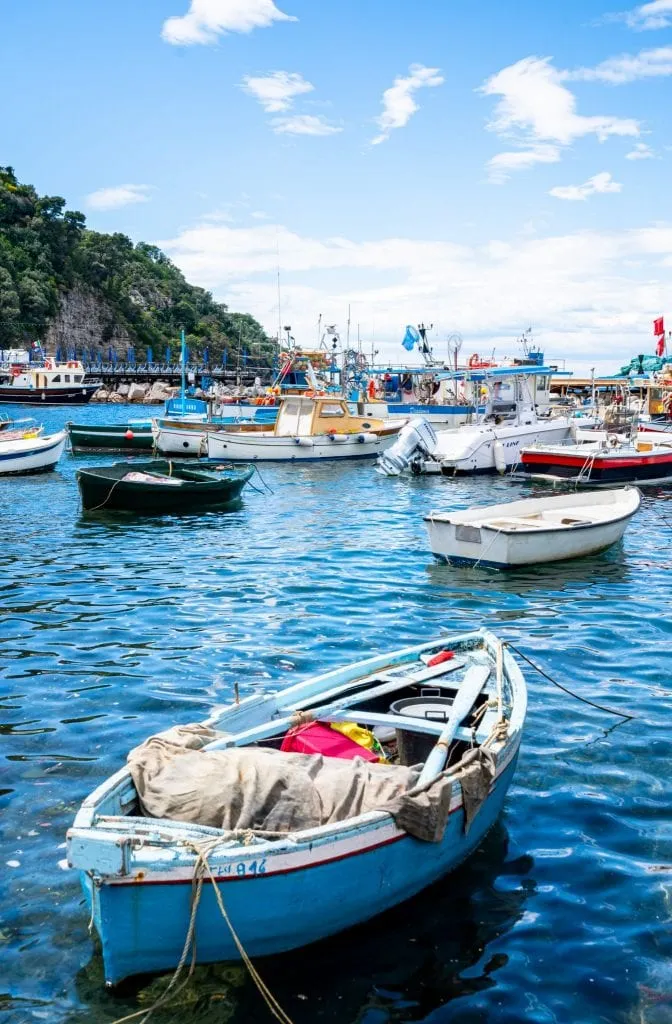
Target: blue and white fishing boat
{"type": "Point", "coordinates": [292, 845]}
{"type": "Point", "coordinates": [25, 448]}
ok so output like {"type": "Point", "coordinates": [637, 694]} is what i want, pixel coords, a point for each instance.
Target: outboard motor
{"type": "Point", "coordinates": [416, 438]}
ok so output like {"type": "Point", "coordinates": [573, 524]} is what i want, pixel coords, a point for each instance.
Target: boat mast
{"type": "Point", "coordinates": [183, 359]}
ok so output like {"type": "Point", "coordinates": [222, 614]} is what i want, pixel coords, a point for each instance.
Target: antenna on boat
{"type": "Point", "coordinates": [424, 346]}
{"type": "Point", "coordinates": [455, 342]}
{"type": "Point", "coordinates": [347, 333]}
{"type": "Point", "coordinates": [277, 244]}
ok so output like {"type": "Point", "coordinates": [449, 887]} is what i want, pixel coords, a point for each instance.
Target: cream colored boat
{"type": "Point", "coordinates": [307, 428]}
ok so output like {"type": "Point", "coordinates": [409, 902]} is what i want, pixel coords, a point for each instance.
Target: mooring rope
{"type": "Point", "coordinates": [107, 497]}
{"type": "Point", "coordinates": [201, 868]}
{"type": "Point", "coordinates": [584, 700]}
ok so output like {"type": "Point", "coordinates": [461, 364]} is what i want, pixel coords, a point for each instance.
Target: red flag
{"type": "Point", "coordinates": [660, 347]}
{"type": "Point", "coordinates": [658, 326]}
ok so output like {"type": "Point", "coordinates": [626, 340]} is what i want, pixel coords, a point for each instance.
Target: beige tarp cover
{"type": "Point", "coordinates": [271, 791]}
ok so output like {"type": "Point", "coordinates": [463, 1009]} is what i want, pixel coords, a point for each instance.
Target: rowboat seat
{"type": "Point", "coordinates": [521, 522]}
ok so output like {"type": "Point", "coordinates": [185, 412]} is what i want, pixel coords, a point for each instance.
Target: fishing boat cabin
{"type": "Point", "coordinates": [50, 384]}
{"type": "Point", "coordinates": [315, 416]}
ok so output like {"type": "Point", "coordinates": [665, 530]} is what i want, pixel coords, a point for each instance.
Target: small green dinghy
{"type": "Point", "coordinates": [160, 486]}
{"type": "Point", "coordinates": [136, 435]}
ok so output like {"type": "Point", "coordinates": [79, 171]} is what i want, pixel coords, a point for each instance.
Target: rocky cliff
{"type": "Point", "coordinates": [82, 291]}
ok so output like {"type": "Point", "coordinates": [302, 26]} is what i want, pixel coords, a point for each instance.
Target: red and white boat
{"type": "Point", "coordinates": [647, 458]}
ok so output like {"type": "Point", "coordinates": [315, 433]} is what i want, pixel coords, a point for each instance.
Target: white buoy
{"type": "Point", "coordinates": [500, 456]}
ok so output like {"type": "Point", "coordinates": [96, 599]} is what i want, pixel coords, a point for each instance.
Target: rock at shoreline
{"type": "Point", "coordinates": [137, 393]}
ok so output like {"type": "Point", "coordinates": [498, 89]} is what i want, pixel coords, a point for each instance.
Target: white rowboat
{"type": "Point", "coordinates": [35, 453]}
{"type": "Point", "coordinates": [534, 530]}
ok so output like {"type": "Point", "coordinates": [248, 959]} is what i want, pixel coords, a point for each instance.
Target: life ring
{"type": "Point", "coordinates": [71, 365]}
{"type": "Point", "coordinates": [474, 360]}
{"type": "Point", "coordinates": [16, 372]}
{"type": "Point", "coordinates": [613, 441]}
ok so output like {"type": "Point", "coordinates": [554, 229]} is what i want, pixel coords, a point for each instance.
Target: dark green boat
{"type": "Point", "coordinates": [136, 435]}
{"type": "Point", "coordinates": [160, 486]}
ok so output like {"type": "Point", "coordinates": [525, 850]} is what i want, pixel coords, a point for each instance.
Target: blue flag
{"type": "Point", "coordinates": [410, 338]}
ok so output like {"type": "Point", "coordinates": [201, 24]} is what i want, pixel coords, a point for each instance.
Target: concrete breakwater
{"type": "Point", "coordinates": [161, 391]}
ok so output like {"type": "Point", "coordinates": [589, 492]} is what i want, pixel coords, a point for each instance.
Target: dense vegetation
{"type": "Point", "coordinates": [46, 253]}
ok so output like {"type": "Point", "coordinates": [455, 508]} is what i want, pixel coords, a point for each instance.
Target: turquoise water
{"type": "Point", "coordinates": [114, 627]}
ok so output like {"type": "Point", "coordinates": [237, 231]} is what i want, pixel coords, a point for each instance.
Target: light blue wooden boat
{"type": "Point", "coordinates": [284, 893]}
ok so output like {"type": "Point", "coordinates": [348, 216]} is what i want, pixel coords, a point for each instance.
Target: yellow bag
{"type": "Point", "coordinates": [364, 737]}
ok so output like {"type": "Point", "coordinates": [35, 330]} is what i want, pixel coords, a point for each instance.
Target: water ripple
{"type": "Point", "coordinates": [115, 626]}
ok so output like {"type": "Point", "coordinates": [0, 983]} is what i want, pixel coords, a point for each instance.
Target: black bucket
{"type": "Point", "coordinates": [414, 747]}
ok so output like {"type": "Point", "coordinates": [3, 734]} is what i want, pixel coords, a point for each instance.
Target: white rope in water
{"type": "Point", "coordinates": [484, 553]}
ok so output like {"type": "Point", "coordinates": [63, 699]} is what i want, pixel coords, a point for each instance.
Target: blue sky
{"type": "Point", "coordinates": [486, 167]}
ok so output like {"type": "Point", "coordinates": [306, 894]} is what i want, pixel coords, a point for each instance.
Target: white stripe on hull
{"type": "Point", "coordinates": [259, 448]}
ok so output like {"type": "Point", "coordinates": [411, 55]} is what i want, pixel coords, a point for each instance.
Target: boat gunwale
{"type": "Point", "coordinates": [451, 519]}
{"type": "Point", "coordinates": [85, 825]}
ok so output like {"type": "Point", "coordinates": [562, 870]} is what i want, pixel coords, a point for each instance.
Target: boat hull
{"type": "Point", "coordinates": [189, 439]}
{"type": "Point", "coordinates": [111, 437]}
{"type": "Point", "coordinates": [235, 447]}
{"type": "Point", "coordinates": [437, 415]}
{"type": "Point", "coordinates": [142, 924]}
{"type": "Point", "coordinates": [35, 456]}
{"type": "Point", "coordinates": [76, 394]}
{"type": "Point", "coordinates": [502, 551]}
{"type": "Point", "coordinates": [481, 458]}
{"type": "Point", "coordinates": [100, 492]}
{"type": "Point", "coordinates": [604, 469]}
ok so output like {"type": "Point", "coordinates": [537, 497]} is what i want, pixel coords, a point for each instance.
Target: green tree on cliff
{"type": "Point", "coordinates": [46, 252]}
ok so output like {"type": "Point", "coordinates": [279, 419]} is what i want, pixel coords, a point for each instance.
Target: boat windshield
{"type": "Point", "coordinates": [294, 418]}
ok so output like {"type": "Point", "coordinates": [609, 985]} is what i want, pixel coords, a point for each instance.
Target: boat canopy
{"type": "Point", "coordinates": [498, 372]}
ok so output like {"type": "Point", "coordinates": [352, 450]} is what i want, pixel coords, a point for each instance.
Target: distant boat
{"type": "Point", "coordinates": [53, 383]}
{"type": "Point", "coordinates": [186, 436]}
{"type": "Point", "coordinates": [25, 448]}
{"type": "Point", "coordinates": [646, 459]}
{"type": "Point", "coordinates": [307, 428]}
{"type": "Point", "coordinates": [132, 436]}
{"type": "Point", "coordinates": [302, 847]}
{"type": "Point", "coordinates": [533, 531]}
{"type": "Point", "coordinates": [491, 444]}
{"type": "Point", "coordinates": [159, 486]}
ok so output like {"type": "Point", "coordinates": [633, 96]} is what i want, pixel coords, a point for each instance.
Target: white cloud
{"type": "Point", "coordinates": [502, 164]}
{"type": "Point", "coordinates": [206, 20]}
{"type": "Point", "coordinates": [398, 103]}
{"type": "Point", "coordinates": [627, 68]}
{"type": "Point", "coordinates": [640, 152]}
{"type": "Point", "coordinates": [304, 124]}
{"type": "Point", "coordinates": [276, 91]}
{"type": "Point", "coordinates": [536, 108]}
{"type": "Point", "coordinates": [654, 15]}
{"type": "Point", "coordinates": [599, 183]}
{"type": "Point", "coordinates": [584, 292]}
{"type": "Point", "coordinates": [117, 196]}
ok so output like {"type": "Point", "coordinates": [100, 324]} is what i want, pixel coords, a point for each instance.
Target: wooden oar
{"type": "Point", "coordinates": [474, 681]}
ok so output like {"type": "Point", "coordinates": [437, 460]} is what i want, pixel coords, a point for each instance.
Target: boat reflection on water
{"type": "Point", "coordinates": [609, 566]}
{"type": "Point", "coordinates": [401, 966]}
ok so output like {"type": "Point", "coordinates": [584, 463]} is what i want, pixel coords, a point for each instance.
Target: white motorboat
{"type": "Point", "coordinates": [54, 383]}
{"type": "Point", "coordinates": [307, 428]}
{"type": "Point", "coordinates": [509, 422]}
{"type": "Point", "coordinates": [24, 448]}
{"type": "Point", "coordinates": [534, 530]}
